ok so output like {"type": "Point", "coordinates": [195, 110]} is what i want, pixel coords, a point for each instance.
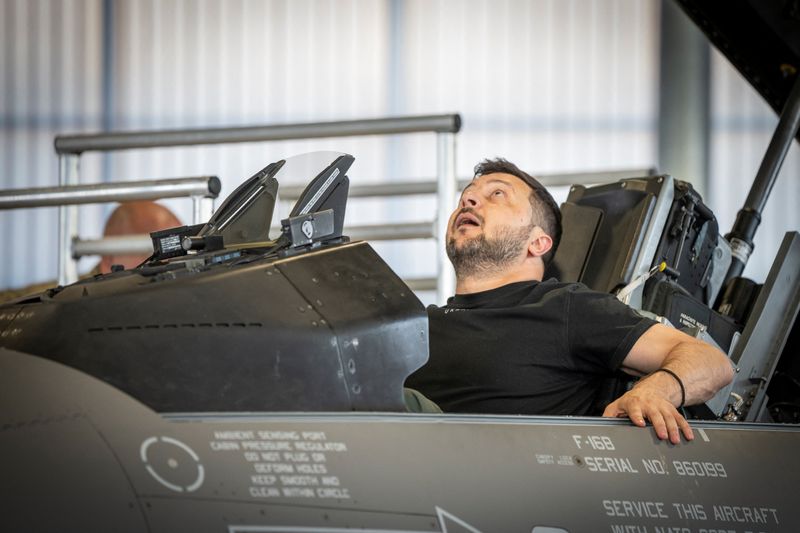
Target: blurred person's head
{"type": "Point", "coordinates": [135, 218]}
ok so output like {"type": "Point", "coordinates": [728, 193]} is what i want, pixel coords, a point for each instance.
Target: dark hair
{"type": "Point", "coordinates": [546, 213]}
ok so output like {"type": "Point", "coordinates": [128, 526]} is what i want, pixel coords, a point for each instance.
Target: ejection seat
{"type": "Point", "coordinates": [610, 233]}
{"type": "Point", "coordinates": [613, 236]}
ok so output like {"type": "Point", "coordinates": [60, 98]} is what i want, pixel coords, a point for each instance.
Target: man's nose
{"type": "Point", "coordinates": [469, 199]}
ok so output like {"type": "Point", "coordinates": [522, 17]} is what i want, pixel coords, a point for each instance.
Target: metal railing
{"type": "Point", "coordinates": [409, 187]}
{"type": "Point", "coordinates": [141, 244]}
{"type": "Point", "coordinates": [70, 148]}
{"type": "Point", "coordinates": [201, 188]}
{"type": "Point", "coordinates": [426, 230]}
{"type": "Point", "coordinates": [103, 142]}
{"type": "Point", "coordinates": [445, 186]}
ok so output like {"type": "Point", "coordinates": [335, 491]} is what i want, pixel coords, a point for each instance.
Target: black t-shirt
{"type": "Point", "coordinates": [526, 348]}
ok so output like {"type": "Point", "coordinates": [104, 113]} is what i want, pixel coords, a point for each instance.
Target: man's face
{"type": "Point", "coordinates": [492, 224]}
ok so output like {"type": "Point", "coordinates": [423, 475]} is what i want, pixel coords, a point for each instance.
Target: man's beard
{"type": "Point", "coordinates": [480, 255]}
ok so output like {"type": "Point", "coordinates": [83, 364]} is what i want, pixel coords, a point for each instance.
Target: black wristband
{"type": "Point", "coordinates": [674, 375]}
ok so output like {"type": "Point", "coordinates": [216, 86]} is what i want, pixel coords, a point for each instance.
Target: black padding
{"type": "Point", "coordinates": [580, 225]}
{"type": "Point", "coordinates": [603, 231]}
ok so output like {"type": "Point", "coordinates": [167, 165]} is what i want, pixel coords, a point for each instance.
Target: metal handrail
{"type": "Point", "coordinates": [141, 244]}
{"type": "Point", "coordinates": [201, 186]}
{"type": "Point", "coordinates": [70, 148]}
{"type": "Point", "coordinates": [410, 187]}
{"type": "Point", "coordinates": [115, 245]}
{"type": "Point", "coordinates": [77, 144]}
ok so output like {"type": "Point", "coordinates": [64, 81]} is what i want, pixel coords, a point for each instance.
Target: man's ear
{"type": "Point", "coordinates": [540, 242]}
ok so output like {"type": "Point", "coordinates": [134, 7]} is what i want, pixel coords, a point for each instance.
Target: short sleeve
{"type": "Point", "coordinates": [601, 330]}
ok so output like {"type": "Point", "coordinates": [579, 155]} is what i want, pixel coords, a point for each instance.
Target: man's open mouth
{"type": "Point", "coordinates": [467, 219]}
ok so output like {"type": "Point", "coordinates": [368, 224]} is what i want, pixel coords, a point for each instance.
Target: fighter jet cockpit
{"type": "Point", "coordinates": [226, 317]}
{"type": "Point", "coordinates": [248, 377]}
{"type": "Point", "coordinates": [305, 320]}
{"type": "Point", "coordinates": [240, 380]}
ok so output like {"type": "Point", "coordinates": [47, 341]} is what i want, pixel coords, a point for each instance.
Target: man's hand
{"type": "Point", "coordinates": [698, 372]}
{"type": "Point", "coordinates": [640, 404]}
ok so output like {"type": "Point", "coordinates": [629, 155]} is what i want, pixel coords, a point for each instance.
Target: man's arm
{"type": "Point", "coordinates": [702, 368]}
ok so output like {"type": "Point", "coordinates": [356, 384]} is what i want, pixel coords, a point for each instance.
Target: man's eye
{"type": "Point", "coordinates": [498, 192]}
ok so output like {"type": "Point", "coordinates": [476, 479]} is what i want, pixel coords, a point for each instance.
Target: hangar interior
{"type": "Point", "coordinates": [250, 380]}
{"type": "Point", "coordinates": [559, 87]}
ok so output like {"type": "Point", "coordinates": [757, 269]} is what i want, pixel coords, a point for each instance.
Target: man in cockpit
{"type": "Point", "coordinates": [510, 343]}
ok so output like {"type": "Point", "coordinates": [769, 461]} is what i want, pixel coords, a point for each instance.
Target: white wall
{"type": "Point", "coordinates": [554, 85]}
{"type": "Point", "coordinates": [49, 82]}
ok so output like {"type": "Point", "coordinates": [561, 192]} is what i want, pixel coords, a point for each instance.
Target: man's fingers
{"type": "Point", "coordinates": [666, 420]}
{"type": "Point", "coordinates": [611, 410]}
{"type": "Point", "coordinates": [657, 419]}
{"type": "Point", "coordinates": [668, 423]}
{"type": "Point", "coordinates": [685, 428]}
{"type": "Point", "coordinates": [676, 424]}
{"type": "Point", "coordinates": [672, 426]}
{"type": "Point", "coordinates": [636, 415]}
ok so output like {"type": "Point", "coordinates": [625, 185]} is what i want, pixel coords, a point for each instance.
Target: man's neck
{"type": "Point", "coordinates": [487, 281]}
